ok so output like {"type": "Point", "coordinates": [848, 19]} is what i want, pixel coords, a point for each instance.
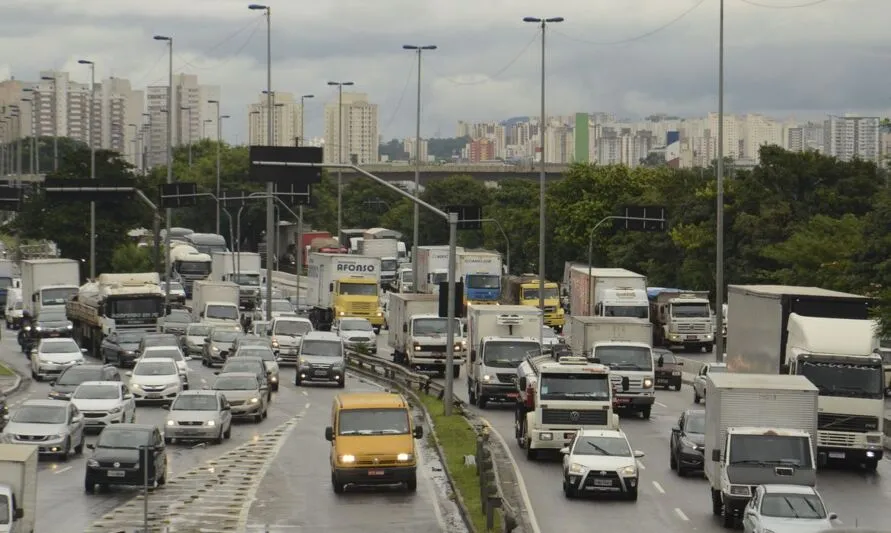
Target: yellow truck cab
{"type": "Point", "coordinates": [523, 290]}
{"type": "Point", "coordinates": [372, 438]}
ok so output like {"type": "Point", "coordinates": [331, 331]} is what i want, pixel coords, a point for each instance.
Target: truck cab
{"type": "Point", "coordinates": [427, 344]}
{"type": "Point", "coordinates": [189, 265]}
{"type": "Point", "coordinates": [494, 365]}
{"type": "Point", "coordinates": [622, 302]}
{"type": "Point", "coordinates": [18, 487]}
{"type": "Point", "coordinates": [630, 363]}
{"type": "Point", "coordinates": [249, 287]}
{"type": "Point", "coordinates": [682, 318]}
{"type": "Point", "coordinates": [53, 296]}
{"type": "Point", "coordinates": [358, 297]}
{"type": "Point", "coordinates": [524, 290]}
{"type": "Point", "coordinates": [220, 313]}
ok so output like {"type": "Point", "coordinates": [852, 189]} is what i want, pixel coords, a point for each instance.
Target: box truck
{"type": "Point", "coordinates": [481, 272]}
{"type": "Point", "coordinates": [524, 290]}
{"type": "Point", "coordinates": [18, 487]}
{"type": "Point", "coordinates": [387, 250]}
{"type": "Point", "coordinates": [49, 283]}
{"type": "Point", "coordinates": [215, 302]}
{"type": "Point", "coordinates": [243, 269]}
{"type": "Point", "coordinates": [606, 292]}
{"type": "Point", "coordinates": [433, 267]}
{"type": "Point", "coordinates": [343, 285]}
{"type": "Point", "coordinates": [681, 318]}
{"type": "Point", "coordinates": [418, 335]}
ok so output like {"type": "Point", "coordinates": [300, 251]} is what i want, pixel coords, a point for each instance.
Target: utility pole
{"type": "Point", "coordinates": [340, 85]}
{"type": "Point", "coordinates": [92, 141]}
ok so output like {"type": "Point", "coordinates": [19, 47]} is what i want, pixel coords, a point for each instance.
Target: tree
{"type": "Point", "coordinates": [131, 258]}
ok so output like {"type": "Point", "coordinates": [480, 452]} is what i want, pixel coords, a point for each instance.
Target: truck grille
{"type": "Point", "coordinates": [364, 308]}
{"type": "Point", "coordinates": [852, 423]}
{"type": "Point", "coordinates": [633, 383]}
{"type": "Point", "coordinates": [190, 423]}
{"type": "Point", "coordinates": [380, 460]}
{"type": "Point", "coordinates": [572, 417]}
{"type": "Point", "coordinates": [692, 328]}
{"type": "Point", "coordinates": [826, 439]}
{"type": "Point", "coordinates": [550, 309]}
{"type": "Point", "coordinates": [506, 378]}
{"type": "Point", "coordinates": [435, 349]}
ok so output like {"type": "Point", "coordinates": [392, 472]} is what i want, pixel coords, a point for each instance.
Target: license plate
{"type": "Point", "coordinates": [621, 400]}
{"type": "Point", "coordinates": [375, 472]}
{"type": "Point", "coordinates": [691, 337]}
{"type": "Point", "coordinates": [603, 483]}
{"type": "Point", "coordinates": [153, 396]}
{"type": "Point", "coordinates": [320, 373]}
{"type": "Point", "coordinates": [513, 395]}
{"type": "Point", "coordinates": [661, 380]}
{"type": "Point", "coordinates": [54, 335]}
{"type": "Point", "coordinates": [836, 455]}
{"type": "Point", "coordinates": [116, 473]}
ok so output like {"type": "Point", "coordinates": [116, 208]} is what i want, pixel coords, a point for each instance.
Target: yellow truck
{"type": "Point", "coordinates": [341, 286]}
{"type": "Point", "coordinates": [523, 290]}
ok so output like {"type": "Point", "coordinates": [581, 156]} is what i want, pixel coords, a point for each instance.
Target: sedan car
{"type": "Point", "coordinates": [155, 380]}
{"type": "Point", "coordinates": [56, 428]}
{"type": "Point", "coordinates": [119, 457]}
{"type": "Point", "coordinates": [120, 347]}
{"type": "Point", "coordinates": [600, 462]}
{"type": "Point", "coordinates": [669, 369]}
{"type": "Point", "coordinates": [357, 334]}
{"type": "Point", "coordinates": [199, 415]}
{"type": "Point", "coordinates": [699, 381]}
{"type": "Point", "coordinates": [172, 353]}
{"type": "Point", "coordinates": [269, 359]}
{"type": "Point", "coordinates": [193, 341]}
{"type": "Point", "coordinates": [687, 442]}
{"type": "Point", "coordinates": [176, 321]}
{"type": "Point", "coordinates": [177, 292]}
{"type": "Point", "coordinates": [260, 328]}
{"type": "Point", "coordinates": [156, 339]}
{"type": "Point", "coordinates": [63, 387]}
{"type": "Point", "coordinates": [104, 403]}
{"type": "Point", "coordinates": [280, 307]}
{"type": "Point", "coordinates": [254, 365]}
{"type": "Point", "coordinates": [52, 356]}
{"type": "Point", "coordinates": [783, 508]}
{"type": "Point", "coordinates": [218, 345]}
{"type": "Point", "coordinates": [245, 395]}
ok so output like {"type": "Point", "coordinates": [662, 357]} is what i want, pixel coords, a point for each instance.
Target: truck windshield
{"type": "Point", "coordinates": [57, 296]}
{"type": "Point", "coordinates": [372, 422]}
{"type": "Point", "coordinates": [575, 386]}
{"type": "Point", "coordinates": [532, 294]}
{"type": "Point", "coordinates": [439, 277]}
{"type": "Point", "coordinates": [691, 310]}
{"type": "Point", "coordinates": [358, 289]}
{"type": "Point", "coordinates": [627, 311]}
{"type": "Point", "coordinates": [625, 357]}
{"type": "Point", "coordinates": [5, 283]}
{"type": "Point", "coordinates": [247, 279]}
{"type": "Point", "coordinates": [389, 265]}
{"type": "Point", "coordinates": [433, 326]}
{"type": "Point", "coordinates": [482, 281]}
{"type": "Point", "coordinates": [221, 312]}
{"type": "Point", "coordinates": [759, 450]}
{"type": "Point", "coordinates": [407, 277]}
{"type": "Point", "coordinates": [135, 308]}
{"type": "Point", "coordinates": [193, 268]}
{"type": "Point", "coordinates": [845, 380]}
{"type": "Point", "coordinates": [792, 505]}
{"type": "Point", "coordinates": [509, 354]}
{"type": "Point", "coordinates": [4, 510]}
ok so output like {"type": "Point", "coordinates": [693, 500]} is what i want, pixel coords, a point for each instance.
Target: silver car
{"type": "Point", "coordinates": [176, 322]}
{"type": "Point", "coordinates": [155, 380]}
{"type": "Point", "coordinates": [55, 427]}
{"type": "Point", "coordinates": [287, 333]}
{"type": "Point", "coordinates": [173, 353]}
{"type": "Point", "coordinates": [269, 359]}
{"type": "Point", "coordinates": [783, 508]}
{"type": "Point", "coordinates": [199, 415]}
{"type": "Point", "coordinates": [357, 334]}
{"type": "Point", "coordinates": [52, 356]}
{"type": "Point", "coordinates": [193, 340]}
{"type": "Point", "coordinates": [243, 391]}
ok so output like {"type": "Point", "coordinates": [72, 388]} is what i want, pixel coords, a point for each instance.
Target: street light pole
{"type": "Point", "coordinates": [31, 152]}
{"type": "Point", "coordinates": [167, 276]}
{"type": "Point", "coordinates": [92, 141]}
{"type": "Point", "coordinates": [415, 226]}
{"type": "Point", "coordinates": [189, 110]}
{"type": "Point", "coordinates": [543, 23]}
{"type": "Point", "coordinates": [216, 103]}
{"type": "Point", "coordinates": [340, 85]}
{"type": "Point", "coordinates": [303, 100]}
{"type": "Point", "coordinates": [55, 118]}
{"type": "Point", "coordinates": [719, 260]}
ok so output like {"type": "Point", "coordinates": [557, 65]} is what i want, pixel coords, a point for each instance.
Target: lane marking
{"type": "Point", "coordinates": [307, 405]}
{"type": "Point", "coordinates": [681, 514]}
{"type": "Point", "coordinates": [658, 487]}
{"type": "Point", "coordinates": [61, 470]}
{"type": "Point", "coordinates": [305, 393]}
{"type": "Point", "coordinates": [660, 404]}
{"type": "Point", "coordinates": [641, 465]}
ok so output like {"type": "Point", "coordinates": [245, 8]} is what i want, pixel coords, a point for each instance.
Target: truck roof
{"type": "Point", "coordinates": [757, 430]}
{"type": "Point", "coordinates": [790, 290]}
{"type": "Point", "coordinates": [503, 309]}
{"type": "Point", "coordinates": [732, 380]}
{"type": "Point", "coordinates": [17, 453]}
{"type": "Point", "coordinates": [607, 272]}
{"type": "Point", "coordinates": [823, 335]}
{"type": "Point", "coordinates": [415, 297]}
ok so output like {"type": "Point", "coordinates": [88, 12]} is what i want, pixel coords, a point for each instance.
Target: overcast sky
{"type": "Point", "coordinates": [629, 57]}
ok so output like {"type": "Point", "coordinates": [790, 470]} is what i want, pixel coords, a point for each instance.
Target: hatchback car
{"type": "Point", "coordinates": [52, 356]}
{"type": "Point", "coordinates": [600, 462]}
{"type": "Point", "coordinates": [280, 307]}
{"type": "Point", "coordinates": [120, 347]}
{"type": "Point", "coordinates": [199, 415]}
{"type": "Point", "coordinates": [104, 403]}
{"type": "Point", "coordinates": [357, 334]}
{"type": "Point", "coordinates": [56, 428]}
{"type": "Point", "coordinates": [156, 339]}
{"type": "Point", "coordinates": [253, 365]}
{"type": "Point", "coordinates": [218, 345]}
{"type": "Point", "coordinates": [244, 393]}
{"type": "Point", "coordinates": [63, 387]}
{"type": "Point", "coordinates": [193, 341]}
{"type": "Point", "coordinates": [269, 359]}
{"type": "Point", "coordinates": [783, 508]}
{"type": "Point", "coordinates": [176, 321]}
{"type": "Point", "coordinates": [287, 333]}
{"type": "Point", "coordinates": [669, 369]}
{"type": "Point", "coordinates": [321, 359]}
{"type": "Point", "coordinates": [700, 380]}
{"type": "Point", "coordinates": [155, 380]}
{"type": "Point", "coordinates": [687, 443]}
{"type": "Point", "coordinates": [121, 455]}
{"type": "Point", "coordinates": [172, 353]}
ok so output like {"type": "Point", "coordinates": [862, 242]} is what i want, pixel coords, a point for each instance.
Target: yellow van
{"type": "Point", "coordinates": [371, 440]}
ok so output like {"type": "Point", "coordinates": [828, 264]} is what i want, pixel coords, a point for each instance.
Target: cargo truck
{"type": "Point", "coordinates": [48, 283]}
{"type": "Point", "coordinates": [418, 335]}
{"type": "Point", "coordinates": [7, 281]}
{"type": "Point", "coordinates": [433, 267]}
{"type": "Point", "coordinates": [759, 430]}
{"type": "Point", "coordinates": [607, 292]}
{"type": "Point", "coordinates": [524, 290]}
{"type": "Point", "coordinates": [681, 318]}
{"type": "Point", "coordinates": [480, 270]}
{"type": "Point", "coordinates": [188, 265]}
{"type": "Point", "coordinates": [499, 337]}
{"type": "Point", "coordinates": [623, 345]}
{"type": "Point", "coordinates": [341, 285]}
{"type": "Point", "coordinates": [827, 337]}
{"type": "Point", "coordinates": [18, 487]}
{"type": "Point", "coordinates": [216, 303]}
{"type": "Point", "coordinates": [243, 269]}
{"type": "Point", "coordinates": [404, 280]}
{"type": "Point", "coordinates": [387, 250]}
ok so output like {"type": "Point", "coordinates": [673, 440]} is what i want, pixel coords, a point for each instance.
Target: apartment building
{"type": "Point", "coordinates": [359, 123]}
{"type": "Point", "coordinates": [193, 117]}
{"type": "Point", "coordinates": [287, 117]}
{"type": "Point", "coordinates": [850, 136]}
{"type": "Point", "coordinates": [410, 145]}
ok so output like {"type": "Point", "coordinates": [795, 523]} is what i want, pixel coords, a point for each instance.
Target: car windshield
{"type": "Point", "coordinates": [608, 446]}
{"type": "Point", "coordinates": [294, 328]}
{"type": "Point", "coordinates": [764, 449]}
{"type": "Point", "coordinates": [550, 293]}
{"type": "Point", "coordinates": [182, 318]}
{"type": "Point", "coordinates": [282, 306]}
{"type": "Point", "coordinates": [155, 368]}
{"type": "Point", "coordinates": [235, 383]}
{"type": "Point", "coordinates": [714, 368]}
{"type": "Point", "coordinates": [373, 422]}
{"type": "Point", "coordinates": [59, 347]}
{"type": "Point", "coordinates": [52, 317]}
{"type": "Point", "coordinates": [4, 510]}
{"type": "Point", "coordinates": [98, 392]}
{"type": "Point", "coordinates": [695, 424]}
{"type": "Point", "coordinates": [322, 348]}
{"type": "Point", "coordinates": [17, 306]}
{"type": "Point", "coordinates": [174, 286]}
{"type": "Point", "coordinates": [778, 505]}
{"type": "Point", "coordinates": [509, 354]}
{"type": "Point", "coordinates": [263, 353]}
{"type": "Point", "coordinates": [431, 327]}
{"type": "Point", "coordinates": [562, 386]}
{"type": "Point", "coordinates": [123, 438]}
{"type": "Point", "coordinates": [241, 365]}
{"type": "Point", "coordinates": [625, 357]}
{"type": "Point", "coordinates": [130, 338]}
{"type": "Point", "coordinates": [159, 340]}
{"type": "Point", "coordinates": [356, 325]}
{"type": "Point", "coordinates": [691, 310]}
{"type": "Point", "coordinates": [252, 280]}
{"type": "Point", "coordinates": [41, 414]}
{"type": "Point", "coordinates": [222, 312]}
{"type": "Point", "coordinates": [225, 335]}
{"type": "Point", "coordinates": [194, 402]}
{"type": "Point", "coordinates": [667, 358]}
{"type": "Point", "coordinates": [163, 353]}
{"type": "Point", "coordinates": [198, 331]}
{"type": "Point", "coordinates": [77, 375]}
{"type": "Point", "coordinates": [57, 296]}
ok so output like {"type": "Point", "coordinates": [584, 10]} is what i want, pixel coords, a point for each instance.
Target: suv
{"type": "Point", "coordinates": [64, 385]}
{"type": "Point", "coordinates": [600, 461]}
{"type": "Point", "coordinates": [287, 333]}
{"type": "Point", "coordinates": [669, 369]}
{"type": "Point", "coordinates": [119, 457]}
{"type": "Point", "coordinates": [321, 358]}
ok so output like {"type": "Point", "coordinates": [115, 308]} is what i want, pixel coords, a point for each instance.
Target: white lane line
{"type": "Point", "coordinates": [307, 405]}
{"type": "Point", "coordinates": [61, 470]}
{"type": "Point", "coordinates": [305, 393]}
{"type": "Point", "coordinates": [658, 487]}
{"type": "Point", "coordinates": [660, 404]}
{"type": "Point", "coordinates": [681, 514]}
{"type": "Point", "coordinates": [203, 380]}
{"type": "Point", "coordinates": [641, 465]}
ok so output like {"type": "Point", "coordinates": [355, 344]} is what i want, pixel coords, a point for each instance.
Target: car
{"type": "Point", "coordinates": [260, 328]}
{"type": "Point", "coordinates": [700, 379]}
{"type": "Point", "coordinates": [280, 307]}
{"type": "Point", "coordinates": [669, 369]}
{"type": "Point", "coordinates": [199, 415]}
{"type": "Point", "coordinates": [784, 508]}
{"type": "Point", "coordinates": [52, 356]}
{"type": "Point", "coordinates": [170, 352]}
{"type": "Point", "coordinates": [269, 359]}
{"type": "Point", "coordinates": [121, 347]}
{"type": "Point", "coordinates": [176, 321]}
{"type": "Point", "coordinates": [156, 339]}
{"type": "Point", "coordinates": [251, 340]}
{"type": "Point", "coordinates": [121, 455]}
{"type": "Point", "coordinates": [63, 387]}
{"type": "Point", "coordinates": [287, 332]}
{"type": "Point", "coordinates": [177, 292]}
{"type": "Point", "coordinates": [550, 339]}
{"type": "Point", "coordinates": [48, 324]}
{"type": "Point", "coordinates": [244, 394]}
{"type": "Point", "coordinates": [357, 334]}
{"type": "Point", "coordinates": [218, 345]}
{"type": "Point", "coordinates": [687, 443]}
{"type": "Point", "coordinates": [192, 342]}
{"type": "Point", "coordinates": [254, 365]}
{"type": "Point", "coordinates": [600, 461]}
{"type": "Point", "coordinates": [155, 380]}
{"type": "Point", "coordinates": [104, 403]}
{"type": "Point", "coordinates": [14, 310]}
{"type": "Point", "coordinates": [321, 359]}
{"type": "Point", "coordinates": [56, 428]}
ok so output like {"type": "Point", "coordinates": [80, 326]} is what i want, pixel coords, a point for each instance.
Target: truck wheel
{"type": "Point", "coordinates": [531, 453]}
{"type": "Point", "coordinates": [645, 412]}
{"type": "Point", "coordinates": [456, 371]}
{"type": "Point", "coordinates": [482, 401]}
{"type": "Point", "coordinates": [696, 397]}
{"type": "Point", "coordinates": [717, 506]}
{"type": "Point", "coordinates": [728, 520]}
{"type": "Point", "coordinates": [471, 397]}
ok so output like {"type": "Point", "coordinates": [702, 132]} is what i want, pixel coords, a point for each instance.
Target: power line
{"type": "Point", "coordinates": [654, 31]}
{"type": "Point", "coordinates": [774, 6]}
{"type": "Point", "coordinates": [253, 26]}
{"type": "Point", "coordinates": [408, 79]}
{"type": "Point", "coordinates": [501, 71]}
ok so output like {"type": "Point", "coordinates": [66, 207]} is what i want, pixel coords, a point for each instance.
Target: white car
{"type": "Point", "coordinates": [780, 508]}
{"type": "Point", "coordinates": [287, 333]}
{"type": "Point", "coordinates": [172, 353]}
{"type": "Point", "coordinates": [104, 403]}
{"type": "Point", "coordinates": [52, 356]}
{"type": "Point", "coordinates": [550, 338]}
{"type": "Point", "coordinates": [699, 380]}
{"type": "Point", "coordinates": [280, 307]}
{"type": "Point", "coordinates": [356, 333]}
{"type": "Point", "coordinates": [155, 380]}
{"type": "Point", "coordinates": [600, 461]}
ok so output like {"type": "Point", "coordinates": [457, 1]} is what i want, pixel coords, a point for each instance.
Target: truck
{"type": "Point", "coordinates": [404, 279]}
{"type": "Point", "coordinates": [759, 430]}
{"type": "Point", "coordinates": [387, 251]}
{"type": "Point", "coordinates": [499, 337]}
{"type": "Point", "coordinates": [480, 270]}
{"type": "Point", "coordinates": [623, 345]}
{"type": "Point", "coordinates": [343, 285]}
{"type": "Point", "coordinates": [606, 291]}
{"type": "Point", "coordinates": [243, 269]}
{"type": "Point", "coordinates": [306, 240]}
{"type": "Point", "coordinates": [433, 267]}
{"type": "Point", "coordinates": [324, 245]}
{"type": "Point", "coordinates": [681, 318]}
{"type": "Point", "coordinates": [418, 334]}
{"type": "Point", "coordinates": [7, 281]}
{"type": "Point", "coordinates": [524, 290]}
{"type": "Point", "coordinates": [188, 265]}
{"type": "Point", "coordinates": [827, 337]}
{"type": "Point", "coordinates": [216, 302]}
{"type": "Point", "coordinates": [48, 283]}
{"type": "Point", "coordinates": [557, 397]}
{"type": "Point", "coordinates": [115, 302]}
{"type": "Point", "coordinates": [18, 487]}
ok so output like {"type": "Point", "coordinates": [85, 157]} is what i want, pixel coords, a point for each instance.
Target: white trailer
{"type": "Point", "coordinates": [18, 487]}
{"type": "Point", "coordinates": [49, 283]}
{"type": "Point", "coordinates": [418, 335]}
{"type": "Point", "coordinates": [215, 302]}
{"type": "Point", "coordinates": [433, 267]}
{"type": "Point", "coordinates": [607, 292]}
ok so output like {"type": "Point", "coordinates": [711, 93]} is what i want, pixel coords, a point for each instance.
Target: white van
{"type": "Point", "coordinates": [13, 308]}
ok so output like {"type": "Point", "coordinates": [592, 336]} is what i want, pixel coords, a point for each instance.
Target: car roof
{"type": "Point", "coordinates": [789, 489]}
{"type": "Point", "coordinates": [719, 365]}
{"type": "Point", "coordinates": [237, 375]}
{"type": "Point", "coordinates": [244, 358]}
{"type": "Point", "coordinates": [160, 348]}
{"type": "Point", "coordinates": [607, 433]}
{"type": "Point", "coordinates": [43, 403]}
{"type": "Point", "coordinates": [371, 400]}
{"type": "Point", "coordinates": [103, 383]}
{"type": "Point", "coordinates": [155, 360]}
{"type": "Point", "coordinates": [58, 340]}
{"type": "Point", "coordinates": [130, 427]}
{"type": "Point", "coordinates": [199, 392]}
{"type": "Point", "coordinates": [321, 336]}
{"type": "Point", "coordinates": [91, 367]}
{"type": "Point", "coordinates": [291, 318]}
{"type": "Point", "coordinates": [694, 412]}
{"type": "Point", "coordinates": [158, 335]}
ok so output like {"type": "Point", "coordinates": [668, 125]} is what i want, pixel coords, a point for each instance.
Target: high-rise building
{"type": "Point", "coordinates": [479, 150]}
{"type": "Point", "coordinates": [852, 136]}
{"type": "Point", "coordinates": [193, 118]}
{"type": "Point", "coordinates": [409, 146]}
{"type": "Point", "coordinates": [286, 119]}
{"type": "Point", "coordinates": [360, 130]}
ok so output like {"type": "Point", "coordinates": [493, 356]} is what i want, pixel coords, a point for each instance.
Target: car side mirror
{"type": "Point", "coordinates": [216, 373]}
{"type": "Point", "coordinates": [661, 362]}
{"type": "Point", "coordinates": [329, 434]}
{"type": "Point", "coordinates": [680, 363]}
{"type": "Point", "coordinates": [521, 383]}
{"type": "Point", "coordinates": [129, 374]}
{"type": "Point", "coordinates": [676, 429]}
{"type": "Point", "coordinates": [626, 383]}
{"type": "Point", "coordinates": [128, 396]}
{"type": "Point", "coordinates": [716, 455]}
{"type": "Point", "coordinates": [833, 516]}
{"type": "Point", "coordinates": [18, 514]}
{"type": "Point", "coordinates": [405, 328]}
{"type": "Point", "coordinates": [91, 446]}
{"type": "Point", "coordinates": [564, 450]}
{"type": "Point", "coordinates": [638, 454]}
{"type": "Point", "coordinates": [418, 432]}
{"type": "Point", "coordinates": [83, 350]}
{"type": "Point", "coordinates": [51, 384]}
{"type": "Point", "coordinates": [227, 408]}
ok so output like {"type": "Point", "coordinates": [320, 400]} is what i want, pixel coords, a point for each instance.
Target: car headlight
{"type": "Point", "coordinates": [576, 468]}
{"type": "Point", "coordinates": [302, 361]}
{"type": "Point", "coordinates": [647, 383]}
{"type": "Point", "coordinates": [56, 394]}
{"type": "Point", "coordinates": [171, 423]}
{"type": "Point", "coordinates": [135, 385]}
{"type": "Point", "coordinates": [628, 471]}
{"type": "Point", "coordinates": [347, 458]}
{"type": "Point", "coordinates": [254, 400]}
{"type": "Point", "coordinates": [457, 346]}
{"type": "Point", "coordinates": [417, 347]}
{"type": "Point", "coordinates": [115, 410]}
{"type": "Point", "coordinates": [487, 377]}
{"type": "Point", "coordinates": [70, 326]}
{"type": "Point", "coordinates": [38, 328]}
{"type": "Point", "coordinates": [214, 348]}
{"type": "Point", "coordinates": [92, 463]}
{"type": "Point", "coordinates": [404, 457]}
{"type": "Point", "coordinates": [273, 378]}
{"type": "Point", "coordinates": [211, 423]}
{"type": "Point", "coordinates": [27, 328]}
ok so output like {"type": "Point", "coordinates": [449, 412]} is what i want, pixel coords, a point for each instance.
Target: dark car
{"type": "Point", "coordinates": [49, 324]}
{"type": "Point", "coordinates": [669, 370]}
{"type": "Point", "coordinates": [251, 340]}
{"type": "Point", "coordinates": [176, 321]}
{"type": "Point", "coordinates": [119, 457]}
{"type": "Point", "coordinates": [63, 387]}
{"type": "Point", "coordinates": [156, 339]}
{"type": "Point", "coordinates": [218, 345]}
{"type": "Point", "coordinates": [120, 347]}
{"type": "Point", "coordinates": [4, 412]}
{"type": "Point", "coordinates": [254, 365]}
{"type": "Point", "coordinates": [688, 442]}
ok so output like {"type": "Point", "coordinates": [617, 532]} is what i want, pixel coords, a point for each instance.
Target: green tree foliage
{"type": "Point", "coordinates": [131, 258]}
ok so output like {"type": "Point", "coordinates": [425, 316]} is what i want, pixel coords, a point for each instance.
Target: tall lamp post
{"type": "Point", "coordinates": [188, 109]}
{"type": "Point", "coordinates": [135, 143]}
{"type": "Point", "coordinates": [543, 23]}
{"type": "Point", "coordinates": [298, 256]}
{"type": "Point", "coordinates": [36, 100]}
{"type": "Point", "coordinates": [169, 41]}
{"type": "Point", "coordinates": [55, 119]}
{"type": "Point", "coordinates": [303, 100]}
{"type": "Point", "coordinates": [33, 142]}
{"type": "Point", "coordinates": [340, 85]}
{"type": "Point", "coordinates": [414, 243]}
{"type": "Point", "coordinates": [92, 141]}
{"type": "Point", "coordinates": [719, 229]}
{"type": "Point", "coordinates": [216, 104]}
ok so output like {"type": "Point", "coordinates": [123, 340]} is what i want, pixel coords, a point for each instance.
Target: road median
{"type": "Point", "coordinates": [10, 380]}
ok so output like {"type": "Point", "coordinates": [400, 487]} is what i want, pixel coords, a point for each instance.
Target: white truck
{"type": "Point", "coordinates": [188, 265]}
{"type": "Point", "coordinates": [606, 292]}
{"type": "Point", "coordinates": [623, 345]}
{"type": "Point", "coordinates": [499, 338]}
{"type": "Point", "coordinates": [48, 283]}
{"type": "Point", "coordinates": [681, 318]}
{"type": "Point", "coordinates": [559, 396]}
{"type": "Point", "coordinates": [215, 303]}
{"type": "Point", "coordinates": [243, 269]}
{"type": "Point", "coordinates": [480, 270]}
{"type": "Point", "coordinates": [759, 430]}
{"type": "Point", "coordinates": [387, 250]}
{"type": "Point", "coordinates": [827, 337]}
{"type": "Point", "coordinates": [18, 488]}
{"type": "Point", "coordinates": [433, 267]}
{"type": "Point", "coordinates": [418, 334]}
{"type": "Point", "coordinates": [343, 285]}
{"type": "Point", "coordinates": [404, 280]}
